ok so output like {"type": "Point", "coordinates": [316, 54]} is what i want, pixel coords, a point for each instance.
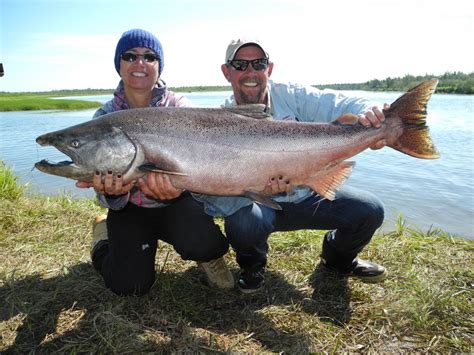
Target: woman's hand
{"type": "Point", "coordinates": [276, 185]}
{"type": "Point", "coordinates": [159, 186]}
{"type": "Point", "coordinates": [107, 184]}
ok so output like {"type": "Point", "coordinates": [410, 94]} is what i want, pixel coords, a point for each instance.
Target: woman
{"type": "Point", "coordinates": [150, 209]}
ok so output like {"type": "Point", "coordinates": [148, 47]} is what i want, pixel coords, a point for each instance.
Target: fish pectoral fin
{"type": "Point", "coordinates": [262, 199]}
{"type": "Point", "coordinates": [327, 184]}
{"type": "Point", "coordinates": [155, 169]}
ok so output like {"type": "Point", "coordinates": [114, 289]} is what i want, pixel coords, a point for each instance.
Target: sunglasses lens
{"type": "Point", "coordinates": [260, 64]}
{"type": "Point", "coordinates": [240, 65]}
{"type": "Point", "coordinates": [129, 57]}
{"type": "Point", "coordinates": [150, 58]}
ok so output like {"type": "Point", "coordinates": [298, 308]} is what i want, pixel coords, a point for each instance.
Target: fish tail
{"type": "Point", "coordinates": [411, 108]}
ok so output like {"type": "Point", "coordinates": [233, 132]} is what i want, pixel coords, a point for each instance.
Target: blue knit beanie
{"type": "Point", "coordinates": [138, 38]}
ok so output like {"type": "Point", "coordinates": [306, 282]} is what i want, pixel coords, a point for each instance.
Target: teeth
{"type": "Point", "coordinates": [140, 74]}
{"type": "Point", "coordinates": [251, 84]}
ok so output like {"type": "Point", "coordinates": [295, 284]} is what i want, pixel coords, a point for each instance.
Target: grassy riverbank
{"type": "Point", "coordinates": [29, 101]}
{"type": "Point", "coordinates": [52, 300]}
{"type": "Point", "coordinates": [32, 101]}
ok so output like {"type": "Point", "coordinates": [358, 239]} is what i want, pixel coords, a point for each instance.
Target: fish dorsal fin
{"type": "Point", "coordinates": [252, 110]}
{"type": "Point", "coordinates": [262, 199]}
{"type": "Point", "coordinates": [327, 184]}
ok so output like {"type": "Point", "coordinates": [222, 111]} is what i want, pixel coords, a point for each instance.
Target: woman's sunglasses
{"type": "Point", "coordinates": [242, 64]}
{"type": "Point", "coordinates": [131, 57]}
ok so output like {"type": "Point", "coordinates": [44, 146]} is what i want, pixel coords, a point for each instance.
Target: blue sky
{"type": "Point", "coordinates": [69, 44]}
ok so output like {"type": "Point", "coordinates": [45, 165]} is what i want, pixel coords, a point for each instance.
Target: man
{"type": "Point", "coordinates": [352, 217]}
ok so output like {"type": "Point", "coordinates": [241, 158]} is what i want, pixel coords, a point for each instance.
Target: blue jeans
{"type": "Point", "coordinates": [352, 218]}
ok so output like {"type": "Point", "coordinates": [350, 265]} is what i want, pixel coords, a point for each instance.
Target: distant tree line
{"type": "Point", "coordinates": [450, 82]}
{"type": "Point", "coordinates": [78, 92]}
{"type": "Point", "coordinates": [201, 88]}
{"type": "Point", "coordinates": [454, 83]}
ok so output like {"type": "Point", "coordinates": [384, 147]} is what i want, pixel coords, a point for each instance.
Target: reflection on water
{"type": "Point", "coordinates": [438, 193]}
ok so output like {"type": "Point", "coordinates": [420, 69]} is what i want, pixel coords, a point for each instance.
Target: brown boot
{"type": "Point", "coordinates": [99, 232]}
{"type": "Point", "coordinates": [217, 273]}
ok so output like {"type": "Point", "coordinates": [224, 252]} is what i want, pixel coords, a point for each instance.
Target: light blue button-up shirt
{"type": "Point", "coordinates": [290, 102]}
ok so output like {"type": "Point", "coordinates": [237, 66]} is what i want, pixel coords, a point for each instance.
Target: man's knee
{"type": "Point", "coordinates": [375, 213]}
{"type": "Point", "coordinates": [367, 211]}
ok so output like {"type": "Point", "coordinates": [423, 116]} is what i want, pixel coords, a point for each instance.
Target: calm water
{"type": "Point", "coordinates": [429, 193]}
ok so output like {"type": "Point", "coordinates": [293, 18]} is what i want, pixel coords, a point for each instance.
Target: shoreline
{"type": "Point", "coordinates": [31, 101]}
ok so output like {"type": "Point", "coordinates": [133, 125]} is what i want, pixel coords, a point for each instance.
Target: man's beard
{"type": "Point", "coordinates": [252, 98]}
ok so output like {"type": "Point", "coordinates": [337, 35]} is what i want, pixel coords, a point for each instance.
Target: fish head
{"type": "Point", "coordinates": [91, 148]}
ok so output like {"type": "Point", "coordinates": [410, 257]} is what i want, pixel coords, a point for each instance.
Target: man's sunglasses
{"type": "Point", "coordinates": [131, 57]}
{"type": "Point", "coordinates": [242, 64]}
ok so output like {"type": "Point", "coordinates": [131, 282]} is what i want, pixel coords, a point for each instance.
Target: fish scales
{"type": "Point", "coordinates": [234, 151]}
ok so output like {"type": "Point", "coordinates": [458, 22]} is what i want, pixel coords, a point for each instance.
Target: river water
{"type": "Point", "coordinates": [428, 193]}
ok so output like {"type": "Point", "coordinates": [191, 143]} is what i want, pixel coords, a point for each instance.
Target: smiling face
{"type": "Point", "coordinates": [139, 75]}
{"type": "Point", "coordinates": [249, 86]}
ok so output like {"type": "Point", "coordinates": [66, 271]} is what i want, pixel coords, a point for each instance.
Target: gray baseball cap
{"type": "Point", "coordinates": [235, 45]}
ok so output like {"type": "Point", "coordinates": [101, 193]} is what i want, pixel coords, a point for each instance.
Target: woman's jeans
{"type": "Point", "coordinates": [127, 261]}
{"type": "Point", "coordinates": [352, 219]}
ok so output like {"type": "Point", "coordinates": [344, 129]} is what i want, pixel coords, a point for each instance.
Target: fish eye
{"type": "Point", "coordinates": [75, 143]}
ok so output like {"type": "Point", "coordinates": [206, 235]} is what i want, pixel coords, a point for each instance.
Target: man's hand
{"type": "Point", "coordinates": [159, 186]}
{"type": "Point", "coordinates": [373, 117]}
{"type": "Point", "coordinates": [277, 185]}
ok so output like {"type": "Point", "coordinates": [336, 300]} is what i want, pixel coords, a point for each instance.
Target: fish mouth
{"type": "Point", "coordinates": [46, 164]}
{"type": "Point", "coordinates": [64, 168]}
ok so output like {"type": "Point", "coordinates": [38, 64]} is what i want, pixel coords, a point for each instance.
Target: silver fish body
{"type": "Point", "coordinates": [220, 151]}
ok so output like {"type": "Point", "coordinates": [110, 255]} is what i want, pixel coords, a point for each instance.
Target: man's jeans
{"type": "Point", "coordinates": [352, 218]}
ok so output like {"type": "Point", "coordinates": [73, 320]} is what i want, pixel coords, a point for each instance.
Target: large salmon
{"type": "Point", "coordinates": [226, 151]}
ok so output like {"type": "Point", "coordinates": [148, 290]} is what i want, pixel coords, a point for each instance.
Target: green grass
{"type": "Point", "coordinates": [27, 101]}
{"type": "Point", "coordinates": [9, 187]}
{"type": "Point", "coordinates": [30, 101]}
{"type": "Point", "coordinates": [52, 300]}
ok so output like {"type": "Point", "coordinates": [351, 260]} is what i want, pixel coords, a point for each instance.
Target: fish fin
{"type": "Point", "coordinates": [327, 184]}
{"type": "Point", "coordinates": [261, 199]}
{"type": "Point", "coordinates": [346, 119]}
{"type": "Point", "coordinates": [258, 111]}
{"type": "Point", "coordinates": [155, 169]}
{"type": "Point", "coordinates": [411, 108]}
